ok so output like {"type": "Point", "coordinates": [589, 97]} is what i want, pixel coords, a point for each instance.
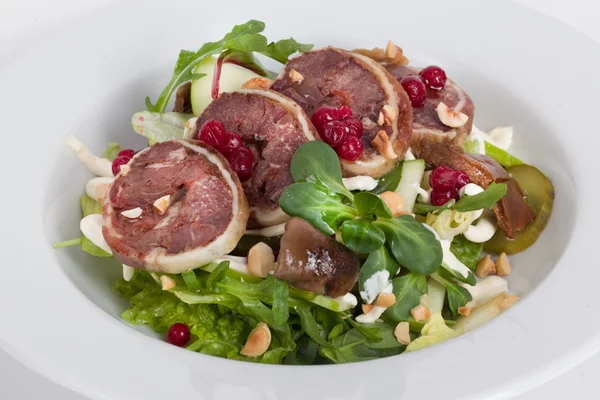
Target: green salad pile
{"type": "Point", "coordinates": [421, 255]}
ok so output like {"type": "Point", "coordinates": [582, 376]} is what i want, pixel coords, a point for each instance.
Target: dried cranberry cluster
{"type": "Point", "coordinates": [340, 129]}
{"type": "Point", "coordinates": [432, 77]}
{"type": "Point", "coordinates": [230, 144]}
{"type": "Point", "coordinates": [445, 183]}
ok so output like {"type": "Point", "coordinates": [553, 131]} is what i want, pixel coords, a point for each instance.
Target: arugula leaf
{"type": "Point", "coordinates": [305, 353]}
{"type": "Point", "coordinates": [247, 43]}
{"type": "Point", "coordinates": [369, 331]}
{"type": "Point", "coordinates": [187, 61]}
{"type": "Point", "coordinates": [412, 245]}
{"type": "Point", "coordinates": [362, 235]}
{"type": "Point", "coordinates": [190, 279]}
{"type": "Point", "coordinates": [316, 158]}
{"type": "Point", "coordinates": [280, 302]}
{"type": "Point", "coordinates": [486, 199]}
{"type": "Point", "coordinates": [111, 151]}
{"type": "Point", "coordinates": [371, 206]}
{"type": "Point", "coordinates": [422, 209]}
{"type": "Point", "coordinates": [408, 290]}
{"type": "Point", "coordinates": [217, 274]}
{"type": "Point", "coordinates": [283, 49]}
{"type": "Point", "coordinates": [311, 327]}
{"type": "Point", "coordinates": [379, 260]}
{"type": "Point", "coordinates": [457, 295]}
{"type": "Point", "coordinates": [336, 331]}
{"type": "Point", "coordinates": [389, 182]}
{"type": "Point", "coordinates": [326, 212]}
{"type": "Point", "coordinates": [352, 346]}
{"type": "Point", "coordinates": [248, 61]}
{"type": "Point", "coordinates": [467, 252]}
{"type": "Point", "coordinates": [449, 273]}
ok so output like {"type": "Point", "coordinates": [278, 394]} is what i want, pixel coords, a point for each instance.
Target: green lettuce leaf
{"type": "Point", "coordinates": [91, 206]}
{"type": "Point", "coordinates": [435, 331]}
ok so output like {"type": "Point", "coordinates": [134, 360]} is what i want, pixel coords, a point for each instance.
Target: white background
{"type": "Point", "coordinates": [22, 22]}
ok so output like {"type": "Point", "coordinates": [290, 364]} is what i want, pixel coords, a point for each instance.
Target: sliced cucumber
{"type": "Point", "coordinates": [232, 78]}
{"type": "Point", "coordinates": [410, 182]}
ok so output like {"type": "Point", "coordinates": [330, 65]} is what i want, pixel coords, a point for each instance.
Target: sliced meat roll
{"type": "Point", "coordinates": [272, 127]}
{"type": "Point", "coordinates": [337, 77]}
{"type": "Point", "coordinates": [426, 122]}
{"type": "Point", "coordinates": [513, 213]}
{"type": "Point", "coordinates": [176, 206]}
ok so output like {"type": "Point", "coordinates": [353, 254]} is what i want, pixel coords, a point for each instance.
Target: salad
{"type": "Point", "coordinates": [342, 209]}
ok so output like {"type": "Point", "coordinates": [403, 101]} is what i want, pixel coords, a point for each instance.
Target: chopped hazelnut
{"type": "Point", "coordinates": [257, 83]}
{"type": "Point", "coordinates": [261, 260]}
{"type": "Point", "coordinates": [382, 144]}
{"type": "Point", "coordinates": [503, 266]}
{"type": "Point", "coordinates": [167, 282]}
{"type": "Point", "coordinates": [420, 313]}
{"type": "Point", "coordinates": [296, 76]}
{"type": "Point", "coordinates": [387, 115]}
{"type": "Point", "coordinates": [385, 300]}
{"type": "Point", "coordinates": [485, 267]}
{"type": "Point", "coordinates": [450, 118]}
{"type": "Point", "coordinates": [402, 333]}
{"type": "Point", "coordinates": [258, 341]}
{"type": "Point", "coordinates": [395, 202]}
{"type": "Point", "coordinates": [366, 308]}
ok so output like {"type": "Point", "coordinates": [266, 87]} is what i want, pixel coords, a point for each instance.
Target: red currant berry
{"type": "Point", "coordinates": [434, 77]}
{"type": "Point", "coordinates": [416, 90]}
{"type": "Point", "coordinates": [443, 179]}
{"type": "Point", "coordinates": [213, 133]}
{"type": "Point", "coordinates": [179, 334]}
{"type": "Point", "coordinates": [334, 133]}
{"type": "Point", "coordinates": [351, 149]}
{"type": "Point", "coordinates": [126, 153]}
{"type": "Point", "coordinates": [462, 180]}
{"type": "Point", "coordinates": [441, 198]}
{"type": "Point", "coordinates": [345, 112]}
{"type": "Point", "coordinates": [232, 142]}
{"type": "Point", "coordinates": [324, 115]}
{"type": "Point", "coordinates": [118, 162]}
{"type": "Point", "coordinates": [355, 127]}
{"type": "Point", "coordinates": [241, 161]}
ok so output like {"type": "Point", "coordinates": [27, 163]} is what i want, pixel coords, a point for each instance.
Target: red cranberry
{"type": "Point", "coordinates": [213, 133]}
{"type": "Point", "coordinates": [462, 180]}
{"type": "Point", "coordinates": [232, 142]}
{"type": "Point", "coordinates": [434, 77]}
{"type": "Point", "coordinates": [241, 161]}
{"type": "Point", "coordinates": [126, 153]}
{"type": "Point", "coordinates": [179, 334]}
{"type": "Point", "coordinates": [441, 198]}
{"type": "Point", "coordinates": [324, 115]}
{"type": "Point", "coordinates": [117, 162]}
{"type": "Point", "coordinates": [334, 133]}
{"type": "Point", "coordinates": [355, 127]}
{"type": "Point", "coordinates": [443, 179]}
{"type": "Point", "coordinates": [345, 112]}
{"type": "Point", "coordinates": [351, 149]}
{"type": "Point", "coordinates": [416, 90]}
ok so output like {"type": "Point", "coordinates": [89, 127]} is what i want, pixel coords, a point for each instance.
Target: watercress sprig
{"type": "Point", "coordinates": [244, 38]}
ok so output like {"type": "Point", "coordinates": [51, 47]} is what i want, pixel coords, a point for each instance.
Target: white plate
{"type": "Point", "coordinates": [59, 315]}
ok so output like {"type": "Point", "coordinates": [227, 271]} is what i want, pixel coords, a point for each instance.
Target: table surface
{"type": "Point", "coordinates": [21, 21]}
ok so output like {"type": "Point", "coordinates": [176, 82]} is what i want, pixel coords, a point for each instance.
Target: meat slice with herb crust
{"type": "Point", "coordinates": [336, 77]}
{"type": "Point", "coordinates": [272, 127]}
{"type": "Point", "coordinates": [176, 206]}
{"type": "Point", "coordinates": [512, 211]}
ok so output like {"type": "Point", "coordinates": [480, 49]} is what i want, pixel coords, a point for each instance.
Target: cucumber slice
{"type": "Point", "coordinates": [540, 197]}
{"type": "Point", "coordinates": [410, 182]}
{"type": "Point", "coordinates": [232, 78]}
